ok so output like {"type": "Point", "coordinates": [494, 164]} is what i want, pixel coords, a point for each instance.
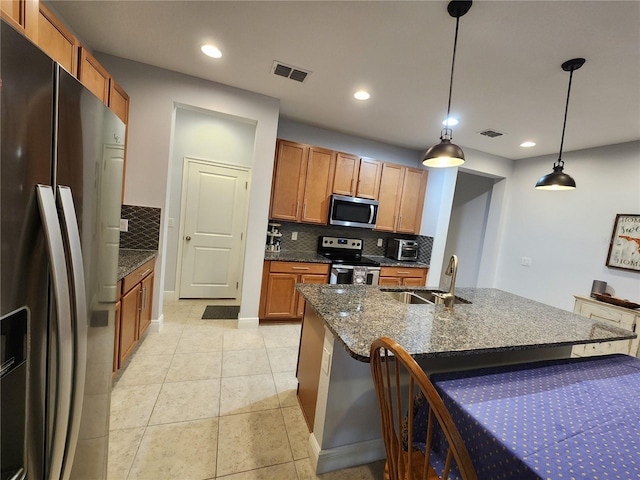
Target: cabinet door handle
{"type": "Point", "coordinates": [145, 298]}
{"type": "Point", "coordinates": [297, 208]}
{"type": "Point", "coordinates": [400, 220]}
{"type": "Point", "coordinates": [141, 299]}
{"type": "Point", "coordinates": [351, 187]}
{"type": "Point", "coordinates": [402, 273]}
{"type": "Point", "coordinates": [148, 270]}
{"type": "Point", "coordinates": [299, 268]}
{"type": "Point", "coordinates": [304, 210]}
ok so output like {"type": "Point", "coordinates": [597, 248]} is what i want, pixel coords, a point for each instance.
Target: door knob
{"type": "Point", "coordinates": [187, 238]}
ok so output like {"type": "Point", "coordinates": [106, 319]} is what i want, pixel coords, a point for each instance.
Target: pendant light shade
{"type": "Point", "coordinates": [558, 180]}
{"type": "Point", "coordinates": [445, 153]}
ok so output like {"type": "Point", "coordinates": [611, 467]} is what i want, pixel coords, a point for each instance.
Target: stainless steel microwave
{"type": "Point", "coordinates": [353, 211]}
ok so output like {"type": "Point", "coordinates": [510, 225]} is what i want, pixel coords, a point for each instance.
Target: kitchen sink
{"type": "Point", "coordinates": [407, 297]}
{"type": "Point", "coordinates": [421, 297]}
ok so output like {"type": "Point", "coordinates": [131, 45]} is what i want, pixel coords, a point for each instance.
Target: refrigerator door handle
{"type": "Point", "coordinates": [71, 234]}
{"type": "Point", "coordinates": [64, 347]}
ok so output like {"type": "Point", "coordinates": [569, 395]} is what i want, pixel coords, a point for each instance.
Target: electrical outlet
{"type": "Point", "coordinates": [526, 262]}
{"type": "Point", "coordinates": [124, 225]}
{"type": "Point", "coordinates": [294, 235]}
{"type": "Point", "coordinates": [326, 360]}
{"type": "Point", "coordinates": [379, 242]}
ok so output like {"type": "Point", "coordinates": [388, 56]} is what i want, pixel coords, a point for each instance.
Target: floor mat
{"type": "Point", "coordinates": [220, 311]}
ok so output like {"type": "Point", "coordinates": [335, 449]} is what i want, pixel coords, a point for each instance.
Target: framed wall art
{"type": "Point", "coordinates": [624, 249]}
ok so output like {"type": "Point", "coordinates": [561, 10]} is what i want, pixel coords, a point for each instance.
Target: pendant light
{"type": "Point", "coordinates": [558, 180]}
{"type": "Point", "coordinates": [445, 153]}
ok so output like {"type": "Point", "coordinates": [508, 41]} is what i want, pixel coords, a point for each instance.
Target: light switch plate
{"type": "Point", "coordinates": [124, 225]}
{"type": "Point", "coordinates": [379, 242]}
{"type": "Point", "coordinates": [294, 235]}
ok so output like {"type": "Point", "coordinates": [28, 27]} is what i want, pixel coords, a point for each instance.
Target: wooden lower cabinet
{"type": "Point", "coordinates": [116, 343]}
{"type": "Point", "coordinates": [403, 276]}
{"type": "Point", "coordinates": [279, 298]}
{"type": "Point", "coordinates": [133, 311]}
{"type": "Point", "coordinates": [146, 294]}
{"type": "Point", "coordinates": [128, 324]}
{"type": "Point", "coordinates": [309, 364]}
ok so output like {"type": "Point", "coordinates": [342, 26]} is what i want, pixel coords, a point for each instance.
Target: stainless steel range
{"type": "Point", "coordinates": [348, 266]}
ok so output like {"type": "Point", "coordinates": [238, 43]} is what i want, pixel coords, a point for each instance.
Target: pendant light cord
{"type": "Point", "coordinates": [453, 62]}
{"type": "Point", "coordinates": [564, 125]}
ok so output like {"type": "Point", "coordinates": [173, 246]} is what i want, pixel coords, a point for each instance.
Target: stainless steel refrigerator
{"type": "Point", "coordinates": [62, 156]}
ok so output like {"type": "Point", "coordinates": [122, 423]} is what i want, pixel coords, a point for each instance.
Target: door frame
{"type": "Point", "coordinates": [186, 161]}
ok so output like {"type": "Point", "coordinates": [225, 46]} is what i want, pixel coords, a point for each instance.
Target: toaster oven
{"type": "Point", "coordinates": [400, 249]}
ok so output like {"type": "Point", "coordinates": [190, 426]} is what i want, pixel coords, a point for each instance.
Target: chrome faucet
{"type": "Point", "coordinates": [451, 271]}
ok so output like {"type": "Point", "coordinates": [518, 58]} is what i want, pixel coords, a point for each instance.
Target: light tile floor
{"type": "Point", "coordinates": [204, 400]}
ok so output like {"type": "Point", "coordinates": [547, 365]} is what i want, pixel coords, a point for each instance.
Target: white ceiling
{"type": "Point", "coordinates": [507, 77]}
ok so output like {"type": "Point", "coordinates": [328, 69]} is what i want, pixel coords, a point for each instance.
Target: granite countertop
{"type": "Point", "coordinates": [312, 257]}
{"type": "Point", "coordinates": [494, 321]}
{"type": "Point", "coordinates": [129, 260]}
{"type": "Point", "coordinates": [390, 262]}
{"type": "Point", "coordinates": [307, 257]}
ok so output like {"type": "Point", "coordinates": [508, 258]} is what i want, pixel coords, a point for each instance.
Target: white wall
{"type": "Point", "coordinates": [362, 147]}
{"type": "Point", "coordinates": [436, 215]}
{"type": "Point", "coordinates": [467, 226]}
{"type": "Point", "coordinates": [154, 94]}
{"type": "Point", "coordinates": [208, 136]}
{"type": "Point", "coordinates": [566, 234]}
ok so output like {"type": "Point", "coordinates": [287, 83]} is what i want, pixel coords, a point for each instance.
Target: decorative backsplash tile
{"type": "Point", "coordinates": [308, 238]}
{"type": "Point", "coordinates": [144, 227]}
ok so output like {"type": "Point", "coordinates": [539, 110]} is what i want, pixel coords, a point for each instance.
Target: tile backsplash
{"type": "Point", "coordinates": [308, 238]}
{"type": "Point", "coordinates": [144, 227]}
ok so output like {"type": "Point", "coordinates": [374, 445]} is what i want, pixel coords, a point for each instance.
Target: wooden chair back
{"type": "Point", "coordinates": [398, 380]}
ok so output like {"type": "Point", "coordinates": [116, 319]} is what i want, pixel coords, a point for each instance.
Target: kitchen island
{"type": "Point", "coordinates": [335, 388]}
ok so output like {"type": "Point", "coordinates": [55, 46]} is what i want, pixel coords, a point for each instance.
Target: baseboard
{"type": "Point", "coordinates": [344, 456]}
{"type": "Point", "coordinates": [248, 322]}
{"type": "Point", "coordinates": [156, 324]}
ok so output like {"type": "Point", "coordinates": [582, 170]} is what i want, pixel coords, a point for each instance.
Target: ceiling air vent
{"type": "Point", "coordinates": [491, 133]}
{"type": "Point", "coordinates": [288, 71]}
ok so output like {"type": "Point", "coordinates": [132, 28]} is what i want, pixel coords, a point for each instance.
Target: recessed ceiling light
{"type": "Point", "coordinates": [528, 144]}
{"type": "Point", "coordinates": [450, 122]}
{"type": "Point", "coordinates": [211, 51]}
{"type": "Point", "coordinates": [361, 95]}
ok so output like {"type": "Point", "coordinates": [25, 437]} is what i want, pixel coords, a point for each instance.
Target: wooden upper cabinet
{"type": "Point", "coordinates": [23, 15]}
{"type": "Point", "coordinates": [320, 173]}
{"type": "Point", "coordinates": [56, 40]}
{"type": "Point", "coordinates": [118, 101]}
{"type": "Point", "coordinates": [346, 175]}
{"type": "Point", "coordinates": [414, 187]}
{"type": "Point", "coordinates": [402, 191]}
{"type": "Point", "coordinates": [369, 179]}
{"type": "Point", "coordinates": [389, 196]}
{"type": "Point", "coordinates": [357, 177]}
{"type": "Point", "coordinates": [93, 75]}
{"type": "Point", "coordinates": [288, 180]}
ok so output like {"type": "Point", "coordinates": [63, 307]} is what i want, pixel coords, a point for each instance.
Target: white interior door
{"type": "Point", "coordinates": [214, 220]}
